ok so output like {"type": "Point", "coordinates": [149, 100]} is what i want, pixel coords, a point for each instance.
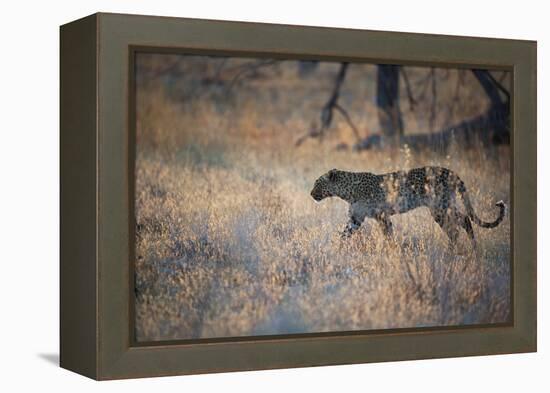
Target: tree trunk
{"type": "Point", "coordinates": [387, 101]}
{"type": "Point", "coordinates": [498, 114]}
{"type": "Point", "coordinates": [490, 128]}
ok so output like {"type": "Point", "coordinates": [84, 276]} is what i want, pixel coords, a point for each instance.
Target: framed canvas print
{"type": "Point", "coordinates": [240, 196]}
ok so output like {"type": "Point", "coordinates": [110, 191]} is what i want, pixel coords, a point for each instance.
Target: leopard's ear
{"type": "Point", "coordinates": [332, 174]}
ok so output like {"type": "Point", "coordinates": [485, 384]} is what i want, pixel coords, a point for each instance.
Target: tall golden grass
{"type": "Point", "coordinates": [230, 243]}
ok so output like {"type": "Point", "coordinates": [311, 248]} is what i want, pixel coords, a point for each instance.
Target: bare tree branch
{"type": "Point", "coordinates": [412, 101]}
{"type": "Point", "coordinates": [220, 68]}
{"type": "Point", "coordinates": [172, 68]}
{"type": "Point", "coordinates": [348, 119]}
{"type": "Point", "coordinates": [456, 95]}
{"type": "Point", "coordinates": [422, 85]}
{"type": "Point", "coordinates": [313, 133]}
{"type": "Point", "coordinates": [489, 85]}
{"type": "Point", "coordinates": [499, 86]}
{"type": "Point", "coordinates": [327, 113]}
{"type": "Point", "coordinates": [434, 100]}
{"type": "Point", "coordinates": [249, 68]}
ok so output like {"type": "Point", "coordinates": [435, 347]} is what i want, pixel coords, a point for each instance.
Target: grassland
{"type": "Point", "coordinates": [230, 243]}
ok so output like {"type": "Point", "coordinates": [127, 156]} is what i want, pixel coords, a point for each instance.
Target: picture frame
{"type": "Point", "coordinates": [96, 195]}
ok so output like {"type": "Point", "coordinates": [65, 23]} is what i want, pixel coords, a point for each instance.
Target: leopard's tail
{"type": "Point", "coordinates": [471, 212]}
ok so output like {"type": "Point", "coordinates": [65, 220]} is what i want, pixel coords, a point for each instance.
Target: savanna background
{"type": "Point", "coordinates": [229, 241]}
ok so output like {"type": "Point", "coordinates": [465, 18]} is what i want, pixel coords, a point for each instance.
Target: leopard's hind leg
{"type": "Point", "coordinates": [448, 223]}
{"type": "Point", "coordinates": [386, 225]}
{"type": "Point", "coordinates": [466, 224]}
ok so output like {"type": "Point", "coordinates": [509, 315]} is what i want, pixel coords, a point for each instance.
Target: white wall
{"type": "Point", "coordinates": [29, 192]}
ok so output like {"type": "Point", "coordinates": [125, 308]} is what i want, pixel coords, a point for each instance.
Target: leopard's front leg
{"type": "Point", "coordinates": [352, 226]}
{"type": "Point", "coordinates": [356, 218]}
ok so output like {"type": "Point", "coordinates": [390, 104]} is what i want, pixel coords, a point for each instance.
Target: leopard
{"type": "Point", "coordinates": [380, 196]}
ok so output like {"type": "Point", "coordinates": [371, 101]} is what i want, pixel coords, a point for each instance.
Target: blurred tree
{"type": "Point", "coordinates": [490, 128]}
{"type": "Point", "coordinates": [327, 113]}
{"type": "Point", "coordinates": [387, 100]}
{"type": "Point", "coordinates": [306, 67]}
{"type": "Point", "coordinates": [497, 117]}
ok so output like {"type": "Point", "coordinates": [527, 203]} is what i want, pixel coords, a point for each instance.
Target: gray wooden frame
{"type": "Point", "coordinates": [96, 205]}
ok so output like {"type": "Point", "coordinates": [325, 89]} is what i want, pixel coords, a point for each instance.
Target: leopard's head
{"type": "Point", "coordinates": [328, 185]}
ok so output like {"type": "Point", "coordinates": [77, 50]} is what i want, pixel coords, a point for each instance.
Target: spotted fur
{"type": "Point", "coordinates": [381, 196]}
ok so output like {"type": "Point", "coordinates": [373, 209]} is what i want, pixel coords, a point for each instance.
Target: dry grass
{"type": "Point", "coordinates": [230, 243]}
